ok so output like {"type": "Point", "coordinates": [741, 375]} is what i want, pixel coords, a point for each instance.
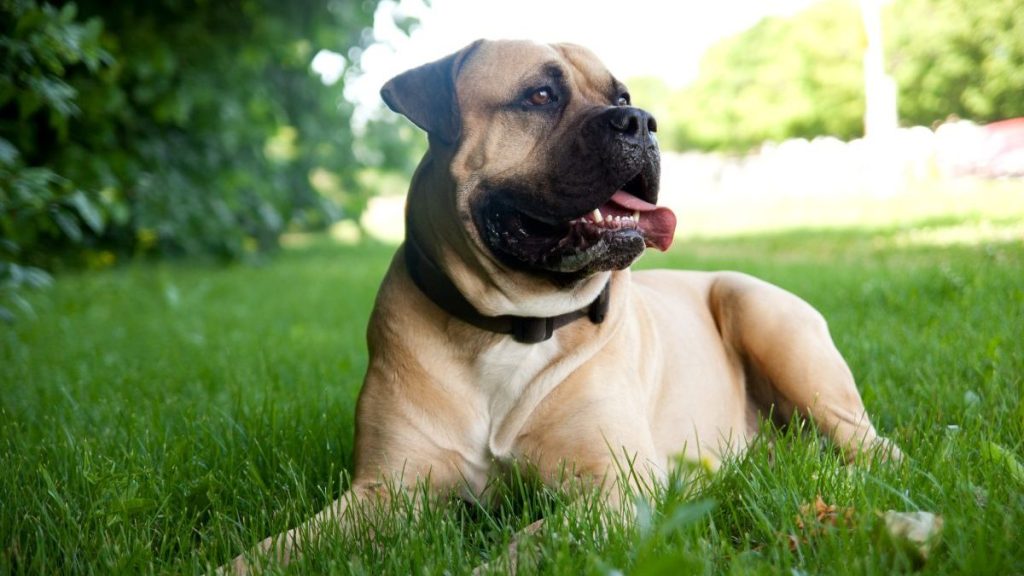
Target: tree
{"type": "Point", "coordinates": [170, 126]}
{"type": "Point", "coordinates": [783, 78]}
{"type": "Point", "coordinates": [803, 76]}
{"type": "Point", "coordinates": [957, 57]}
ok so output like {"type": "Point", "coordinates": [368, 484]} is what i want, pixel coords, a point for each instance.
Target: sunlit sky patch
{"type": "Point", "coordinates": [634, 38]}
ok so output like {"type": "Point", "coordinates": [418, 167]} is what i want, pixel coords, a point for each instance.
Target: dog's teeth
{"type": "Point", "coordinates": [636, 216]}
{"type": "Point", "coordinates": [597, 215]}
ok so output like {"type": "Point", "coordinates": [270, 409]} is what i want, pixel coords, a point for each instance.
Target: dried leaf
{"type": "Point", "coordinates": [822, 515]}
{"type": "Point", "coordinates": [816, 519]}
{"type": "Point", "coordinates": [822, 510]}
{"type": "Point", "coordinates": [918, 529]}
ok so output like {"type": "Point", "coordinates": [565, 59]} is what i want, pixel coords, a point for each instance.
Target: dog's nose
{"type": "Point", "coordinates": [632, 122]}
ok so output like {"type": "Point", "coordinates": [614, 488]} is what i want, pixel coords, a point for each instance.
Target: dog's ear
{"type": "Point", "coordinates": [426, 95]}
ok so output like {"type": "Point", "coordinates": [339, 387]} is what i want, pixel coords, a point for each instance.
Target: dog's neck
{"type": "Point", "coordinates": [440, 290]}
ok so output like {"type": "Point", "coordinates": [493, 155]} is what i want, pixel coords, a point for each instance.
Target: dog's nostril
{"type": "Point", "coordinates": [632, 122]}
{"type": "Point", "coordinates": [627, 123]}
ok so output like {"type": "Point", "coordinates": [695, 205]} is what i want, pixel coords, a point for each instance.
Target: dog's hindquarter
{"type": "Point", "coordinates": [701, 407]}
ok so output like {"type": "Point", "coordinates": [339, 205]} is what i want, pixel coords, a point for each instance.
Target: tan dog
{"type": "Point", "coordinates": [509, 327]}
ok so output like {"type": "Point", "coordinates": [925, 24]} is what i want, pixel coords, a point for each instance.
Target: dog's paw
{"type": "Point", "coordinates": [886, 450]}
{"type": "Point", "coordinates": [237, 567]}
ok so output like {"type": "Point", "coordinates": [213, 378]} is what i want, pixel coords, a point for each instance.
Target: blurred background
{"type": "Point", "coordinates": [225, 130]}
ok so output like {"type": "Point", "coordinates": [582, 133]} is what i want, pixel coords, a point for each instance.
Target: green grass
{"type": "Point", "coordinates": [163, 418]}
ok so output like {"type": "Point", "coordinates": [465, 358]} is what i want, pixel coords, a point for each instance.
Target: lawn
{"type": "Point", "coordinates": [164, 417]}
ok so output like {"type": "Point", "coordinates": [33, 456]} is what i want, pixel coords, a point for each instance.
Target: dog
{"type": "Point", "coordinates": [509, 327]}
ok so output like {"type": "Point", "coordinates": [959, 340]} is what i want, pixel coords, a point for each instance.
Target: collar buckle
{"type": "Point", "coordinates": [527, 330]}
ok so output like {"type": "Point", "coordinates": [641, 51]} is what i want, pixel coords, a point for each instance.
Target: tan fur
{"type": "Point", "coordinates": [683, 364]}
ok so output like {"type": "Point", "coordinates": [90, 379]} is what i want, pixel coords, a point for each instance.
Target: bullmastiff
{"type": "Point", "coordinates": [509, 327]}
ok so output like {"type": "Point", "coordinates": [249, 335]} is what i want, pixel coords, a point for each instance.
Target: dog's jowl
{"type": "Point", "coordinates": [509, 327]}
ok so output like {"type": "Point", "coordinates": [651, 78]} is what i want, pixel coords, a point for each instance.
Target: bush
{"type": "Point", "coordinates": [169, 126]}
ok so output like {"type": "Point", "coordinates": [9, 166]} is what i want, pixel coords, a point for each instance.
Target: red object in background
{"type": "Point", "coordinates": [1003, 148]}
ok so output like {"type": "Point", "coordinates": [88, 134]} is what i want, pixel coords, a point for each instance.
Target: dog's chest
{"type": "Point", "coordinates": [513, 378]}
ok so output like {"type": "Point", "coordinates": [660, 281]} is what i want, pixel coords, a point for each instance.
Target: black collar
{"type": "Point", "coordinates": [528, 330]}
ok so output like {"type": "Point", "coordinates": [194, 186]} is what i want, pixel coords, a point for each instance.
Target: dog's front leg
{"type": "Point", "coordinates": [411, 431]}
{"type": "Point", "coordinates": [362, 500]}
{"type": "Point", "coordinates": [590, 439]}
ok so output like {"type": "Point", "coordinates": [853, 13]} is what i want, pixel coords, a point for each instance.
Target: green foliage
{"type": "Point", "coordinates": [389, 147]}
{"type": "Point", "coordinates": [168, 126]}
{"type": "Point", "coordinates": [391, 143]}
{"type": "Point", "coordinates": [803, 76]}
{"type": "Point", "coordinates": [783, 78]}
{"type": "Point", "coordinates": [957, 57]}
{"type": "Point", "coordinates": [39, 47]}
{"type": "Point", "coordinates": [14, 280]}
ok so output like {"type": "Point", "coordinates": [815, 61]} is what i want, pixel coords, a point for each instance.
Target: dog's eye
{"type": "Point", "coordinates": [623, 100]}
{"type": "Point", "coordinates": [541, 97]}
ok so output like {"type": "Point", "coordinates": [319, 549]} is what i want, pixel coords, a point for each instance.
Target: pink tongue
{"type": "Point", "coordinates": [658, 224]}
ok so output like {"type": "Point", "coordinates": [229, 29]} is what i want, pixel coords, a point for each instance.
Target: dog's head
{"type": "Point", "coordinates": [556, 173]}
